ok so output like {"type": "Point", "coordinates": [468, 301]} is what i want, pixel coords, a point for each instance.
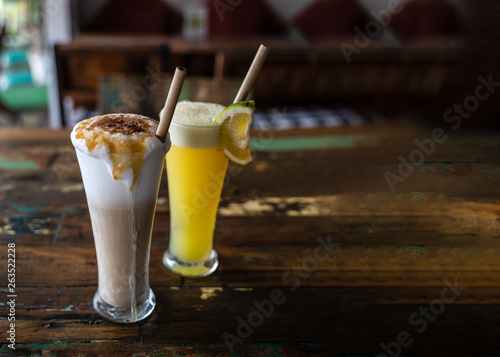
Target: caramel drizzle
{"type": "Point", "coordinates": [124, 154]}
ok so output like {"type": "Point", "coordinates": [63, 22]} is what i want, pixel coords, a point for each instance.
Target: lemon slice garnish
{"type": "Point", "coordinates": [235, 123]}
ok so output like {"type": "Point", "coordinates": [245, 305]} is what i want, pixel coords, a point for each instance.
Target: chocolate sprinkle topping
{"type": "Point", "coordinates": [124, 124]}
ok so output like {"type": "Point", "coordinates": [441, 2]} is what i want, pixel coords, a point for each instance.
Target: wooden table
{"type": "Point", "coordinates": [317, 255]}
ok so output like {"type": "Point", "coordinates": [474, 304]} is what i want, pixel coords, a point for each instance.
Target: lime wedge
{"type": "Point", "coordinates": [235, 125]}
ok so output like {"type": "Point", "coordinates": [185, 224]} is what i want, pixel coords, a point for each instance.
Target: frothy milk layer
{"type": "Point", "coordinates": [112, 151]}
{"type": "Point", "coordinates": [192, 125]}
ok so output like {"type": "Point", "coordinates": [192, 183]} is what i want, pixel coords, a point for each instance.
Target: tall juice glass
{"type": "Point", "coordinates": [196, 168]}
{"type": "Point", "coordinates": [121, 163]}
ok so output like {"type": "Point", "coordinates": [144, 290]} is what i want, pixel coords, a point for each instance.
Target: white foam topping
{"type": "Point", "coordinates": [193, 125]}
{"type": "Point", "coordinates": [196, 113]}
{"type": "Point", "coordinates": [112, 159]}
{"type": "Point", "coordinates": [101, 149]}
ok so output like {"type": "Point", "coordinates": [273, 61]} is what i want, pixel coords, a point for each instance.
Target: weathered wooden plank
{"type": "Point", "coordinates": [75, 303]}
{"type": "Point", "coordinates": [247, 221]}
{"type": "Point", "coordinates": [299, 181]}
{"type": "Point", "coordinates": [35, 193]}
{"type": "Point", "coordinates": [297, 349]}
{"type": "Point", "coordinates": [342, 170]}
{"type": "Point", "coordinates": [67, 266]}
{"type": "Point", "coordinates": [256, 266]}
{"type": "Point", "coordinates": [114, 348]}
{"type": "Point", "coordinates": [286, 230]}
{"type": "Point", "coordinates": [46, 330]}
{"type": "Point", "coordinates": [466, 226]}
{"type": "Point", "coordinates": [337, 316]}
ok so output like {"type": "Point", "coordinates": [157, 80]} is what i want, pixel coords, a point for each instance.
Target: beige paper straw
{"type": "Point", "coordinates": [170, 103]}
{"type": "Point", "coordinates": [252, 73]}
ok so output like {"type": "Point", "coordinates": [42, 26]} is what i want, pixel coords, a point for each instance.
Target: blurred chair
{"type": "Point", "coordinates": [80, 66]}
{"type": "Point", "coordinates": [429, 30]}
{"type": "Point", "coordinates": [137, 17]}
{"type": "Point", "coordinates": [126, 93]}
{"type": "Point", "coordinates": [227, 18]}
{"type": "Point", "coordinates": [327, 19]}
{"type": "Point", "coordinates": [425, 19]}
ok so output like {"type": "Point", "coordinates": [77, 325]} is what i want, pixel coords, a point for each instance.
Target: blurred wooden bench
{"type": "Point", "coordinates": [381, 76]}
{"type": "Point", "coordinates": [80, 66]}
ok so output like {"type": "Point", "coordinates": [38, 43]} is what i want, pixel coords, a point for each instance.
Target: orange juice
{"type": "Point", "coordinates": [196, 167]}
{"type": "Point", "coordinates": [195, 178]}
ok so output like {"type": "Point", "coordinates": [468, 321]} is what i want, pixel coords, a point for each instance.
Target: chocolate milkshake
{"type": "Point", "coordinates": [121, 162]}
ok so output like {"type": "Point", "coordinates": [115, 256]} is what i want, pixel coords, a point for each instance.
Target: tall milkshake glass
{"type": "Point", "coordinates": [121, 163]}
{"type": "Point", "coordinates": [196, 168]}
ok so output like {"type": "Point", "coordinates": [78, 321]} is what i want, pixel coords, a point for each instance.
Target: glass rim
{"type": "Point", "coordinates": [182, 125]}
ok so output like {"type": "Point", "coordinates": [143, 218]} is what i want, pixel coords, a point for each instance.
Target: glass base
{"type": "Point", "coordinates": [191, 270]}
{"type": "Point", "coordinates": [124, 314]}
